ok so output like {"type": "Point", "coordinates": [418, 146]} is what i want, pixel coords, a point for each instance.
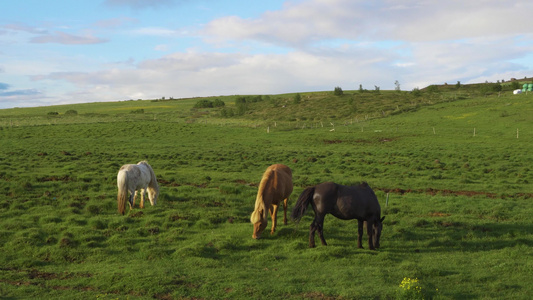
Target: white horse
{"type": "Point", "coordinates": [131, 178]}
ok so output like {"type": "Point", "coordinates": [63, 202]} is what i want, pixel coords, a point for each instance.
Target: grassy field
{"type": "Point", "coordinates": [455, 168]}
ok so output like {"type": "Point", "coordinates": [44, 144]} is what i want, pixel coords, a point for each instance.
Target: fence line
{"type": "Point", "coordinates": [352, 125]}
{"type": "Point", "coordinates": [399, 130]}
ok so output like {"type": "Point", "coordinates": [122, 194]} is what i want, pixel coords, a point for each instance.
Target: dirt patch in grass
{"type": "Point", "coordinates": [137, 214]}
{"type": "Point", "coordinates": [329, 142]}
{"type": "Point", "coordinates": [176, 217]}
{"type": "Point", "coordinates": [439, 214]}
{"type": "Point", "coordinates": [450, 224]}
{"type": "Point", "coordinates": [65, 178]}
{"type": "Point", "coordinates": [36, 274]}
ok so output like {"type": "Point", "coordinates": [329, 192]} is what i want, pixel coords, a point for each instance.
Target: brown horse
{"type": "Point", "coordinates": [346, 203]}
{"type": "Point", "coordinates": [275, 188]}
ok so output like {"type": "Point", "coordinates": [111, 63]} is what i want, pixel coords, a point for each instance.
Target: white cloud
{"type": "Point", "coordinates": [115, 22]}
{"type": "Point", "coordinates": [140, 4]}
{"type": "Point", "coordinates": [162, 48]}
{"type": "Point", "coordinates": [24, 28]}
{"type": "Point", "coordinates": [20, 98]}
{"type": "Point", "coordinates": [154, 31]}
{"type": "Point", "coordinates": [302, 23]}
{"type": "Point", "coordinates": [67, 39]}
{"type": "Point", "coordinates": [452, 20]}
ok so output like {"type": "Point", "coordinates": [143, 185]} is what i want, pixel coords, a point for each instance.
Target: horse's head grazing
{"type": "Point", "coordinates": [259, 222]}
{"type": "Point", "coordinates": [377, 227]}
{"type": "Point", "coordinates": [153, 193]}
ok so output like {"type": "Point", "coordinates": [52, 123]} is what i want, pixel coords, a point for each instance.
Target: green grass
{"type": "Point", "coordinates": [458, 213]}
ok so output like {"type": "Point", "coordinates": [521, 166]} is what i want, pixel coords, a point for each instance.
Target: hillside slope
{"type": "Point", "coordinates": [350, 106]}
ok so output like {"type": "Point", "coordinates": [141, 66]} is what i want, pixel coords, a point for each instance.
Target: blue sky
{"type": "Point", "coordinates": [59, 52]}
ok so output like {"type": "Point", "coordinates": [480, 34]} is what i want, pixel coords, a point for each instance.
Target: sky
{"type": "Point", "coordinates": [77, 51]}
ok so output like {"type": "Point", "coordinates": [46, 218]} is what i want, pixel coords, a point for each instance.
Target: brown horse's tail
{"type": "Point", "coordinates": [301, 204]}
{"type": "Point", "coordinates": [122, 195]}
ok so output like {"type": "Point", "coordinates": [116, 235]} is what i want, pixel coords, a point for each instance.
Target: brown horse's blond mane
{"type": "Point", "coordinates": [259, 201]}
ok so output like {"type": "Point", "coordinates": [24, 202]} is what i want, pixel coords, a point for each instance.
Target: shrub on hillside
{"type": "Point", "coordinates": [491, 88]}
{"type": "Point", "coordinates": [204, 103]}
{"type": "Point", "coordinates": [227, 112]}
{"type": "Point", "coordinates": [297, 98]}
{"type": "Point", "coordinates": [254, 99]}
{"type": "Point", "coordinates": [432, 89]}
{"type": "Point", "coordinates": [240, 105]}
{"type": "Point", "coordinates": [218, 103]}
{"type": "Point", "coordinates": [515, 85]}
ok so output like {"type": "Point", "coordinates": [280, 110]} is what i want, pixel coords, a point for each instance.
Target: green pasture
{"type": "Point", "coordinates": [452, 172]}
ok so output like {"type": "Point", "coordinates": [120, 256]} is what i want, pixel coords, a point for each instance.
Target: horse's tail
{"type": "Point", "coordinates": [301, 204]}
{"type": "Point", "coordinates": [122, 196]}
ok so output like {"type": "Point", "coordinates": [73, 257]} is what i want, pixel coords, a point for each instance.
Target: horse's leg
{"type": "Point", "coordinates": [131, 200]}
{"type": "Point", "coordinates": [132, 203]}
{"type": "Point", "coordinates": [143, 192]}
{"type": "Point", "coordinates": [369, 226]}
{"type": "Point", "coordinates": [273, 214]}
{"type": "Point", "coordinates": [317, 224]}
{"type": "Point", "coordinates": [360, 225]}
{"type": "Point", "coordinates": [312, 230]}
{"type": "Point", "coordinates": [285, 211]}
{"type": "Point", "coordinates": [320, 230]}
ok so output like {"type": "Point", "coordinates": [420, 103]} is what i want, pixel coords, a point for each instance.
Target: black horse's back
{"type": "Point", "coordinates": [326, 189]}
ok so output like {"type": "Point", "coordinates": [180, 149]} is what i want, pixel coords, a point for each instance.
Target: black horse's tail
{"type": "Point", "coordinates": [301, 204]}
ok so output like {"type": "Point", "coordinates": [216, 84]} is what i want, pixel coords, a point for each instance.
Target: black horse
{"type": "Point", "coordinates": [346, 203]}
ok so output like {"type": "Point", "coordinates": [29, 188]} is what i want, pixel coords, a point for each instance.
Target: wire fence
{"type": "Point", "coordinates": [361, 126]}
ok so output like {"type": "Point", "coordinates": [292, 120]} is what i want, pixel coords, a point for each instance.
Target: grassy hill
{"type": "Point", "coordinates": [314, 106]}
{"type": "Point", "coordinates": [450, 166]}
